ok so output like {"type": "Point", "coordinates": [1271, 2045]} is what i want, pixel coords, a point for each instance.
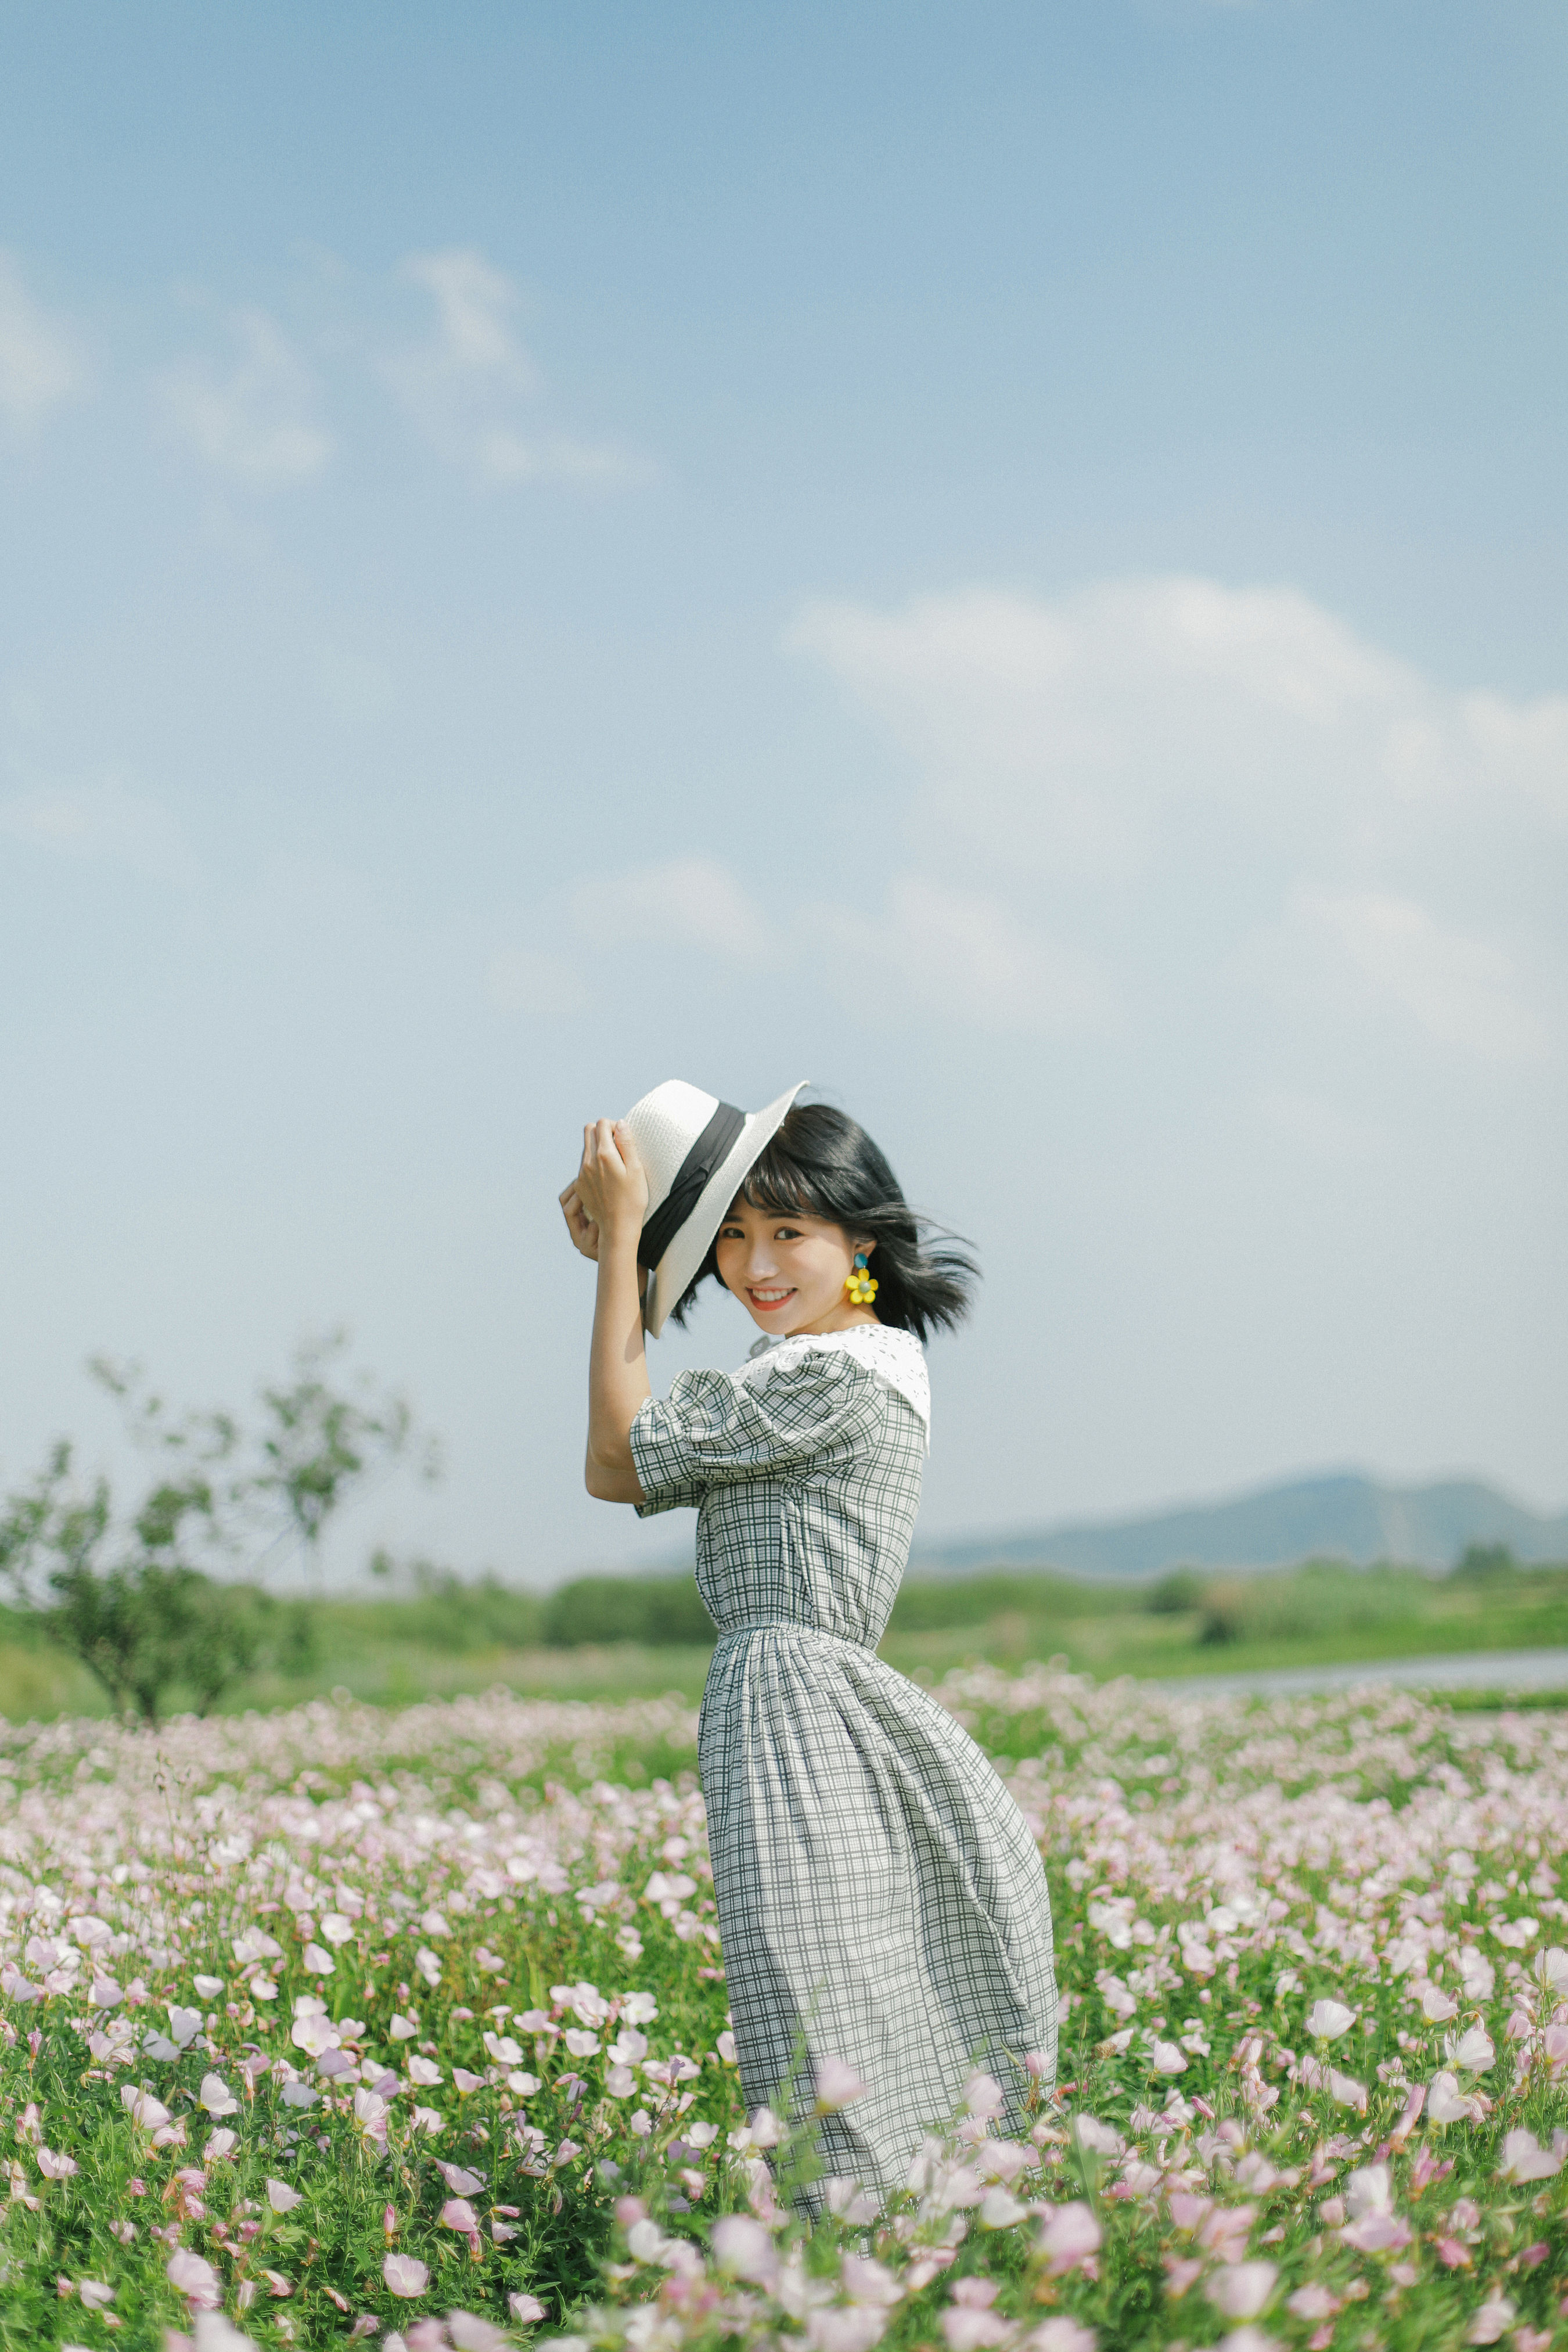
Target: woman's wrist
{"type": "Point", "coordinates": [619, 1249]}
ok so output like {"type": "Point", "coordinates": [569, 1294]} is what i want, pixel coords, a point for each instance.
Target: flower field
{"type": "Point", "coordinates": [410, 2028]}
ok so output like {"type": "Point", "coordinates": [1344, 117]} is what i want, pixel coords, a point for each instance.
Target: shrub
{"type": "Point", "coordinates": [132, 1594]}
{"type": "Point", "coordinates": [452, 1616]}
{"type": "Point", "coordinates": [1175, 1594]}
{"type": "Point", "coordinates": [1322, 1597]}
{"type": "Point", "coordinates": [1481, 1563]}
{"type": "Point", "coordinates": [661, 1610]}
{"type": "Point", "coordinates": [931, 1604]}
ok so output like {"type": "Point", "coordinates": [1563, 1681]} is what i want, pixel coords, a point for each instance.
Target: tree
{"type": "Point", "coordinates": [143, 1598]}
{"type": "Point", "coordinates": [318, 1443]}
{"type": "Point", "coordinates": [123, 1599]}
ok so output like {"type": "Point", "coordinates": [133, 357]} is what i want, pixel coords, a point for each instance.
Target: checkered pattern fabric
{"type": "Point", "coordinates": [880, 1895]}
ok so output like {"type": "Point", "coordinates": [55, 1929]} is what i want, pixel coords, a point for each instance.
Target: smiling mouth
{"type": "Point", "coordinates": [766, 1301]}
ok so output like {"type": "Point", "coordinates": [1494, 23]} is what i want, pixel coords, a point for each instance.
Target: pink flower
{"type": "Point", "coordinates": [456, 2213]}
{"type": "Point", "coordinates": [864, 2280]}
{"type": "Point", "coordinates": [1059, 2335]}
{"type": "Point", "coordinates": [852, 2328]}
{"type": "Point", "coordinates": [195, 2279]}
{"type": "Point", "coordinates": [469, 2333]}
{"type": "Point", "coordinates": [1447, 2104]}
{"type": "Point", "coordinates": [370, 2114]}
{"type": "Point", "coordinates": [405, 2275]}
{"type": "Point", "coordinates": [1523, 2157]}
{"type": "Point", "coordinates": [1180, 2270]}
{"type": "Point", "coordinates": [1377, 2234]}
{"type": "Point", "coordinates": [526, 2309]}
{"type": "Point", "coordinates": [984, 2096]}
{"type": "Point", "coordinates": [1188, 2213]}
{"type": "Point", "coordinates": [53, 2167]}
{"type": "Point", "coordinates": [744, 2248]}
{"type": "Point", "coordinates": [1228, 2228]}
{"type": "Point", "coordinates": [144, 2110]}
{"type": "Point", "coordinates": [1068, 2238]}
{"type": "Point", "coordinates": [281, 2197]}
{"type": "Point", "coordinates": [1474, 2050]}
{"type": "Point", "coordinates": [837, 2085]}
{"type": "Point", "coordinates": [1410, 2115]}
{"type": "Point", "coordinates": [1494, 2319]}
{"type": "Point", "coordinates": [1241, 2289]}
{"type": "Point", "coordinates": [967, 2329]}
{"type": "Point", "coordinates": [461, 2182]}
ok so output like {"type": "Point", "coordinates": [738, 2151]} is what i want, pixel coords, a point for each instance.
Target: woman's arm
{"type": "Point", "coordinates": [610, 1193]}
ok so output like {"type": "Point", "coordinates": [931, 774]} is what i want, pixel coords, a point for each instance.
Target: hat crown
{"type": "Point", "coordinates": [664, 1126]}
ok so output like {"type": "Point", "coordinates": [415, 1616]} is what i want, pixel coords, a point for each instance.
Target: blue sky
{"type": "Point", "coordinates": [1007, 561]}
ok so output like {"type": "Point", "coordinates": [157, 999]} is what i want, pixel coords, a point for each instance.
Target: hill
{"type": "Point", "coordinates": [1337, 1515]}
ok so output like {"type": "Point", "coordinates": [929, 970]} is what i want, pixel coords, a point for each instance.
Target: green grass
{"type": "Point", "coordinates": [451, 1640]}
{"type": "Point", "coordinates": [294, 2209]}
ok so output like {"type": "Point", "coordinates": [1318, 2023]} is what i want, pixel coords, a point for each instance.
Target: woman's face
{"type": "Point", "coordinates": [788, 1271]}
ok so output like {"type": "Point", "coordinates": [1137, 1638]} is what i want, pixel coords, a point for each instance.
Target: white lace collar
{"type": "Point", "coordinates": [898, 1355]}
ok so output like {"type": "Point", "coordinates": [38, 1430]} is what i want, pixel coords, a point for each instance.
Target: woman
{"type": "Point", "coordinates": [880, 1900]}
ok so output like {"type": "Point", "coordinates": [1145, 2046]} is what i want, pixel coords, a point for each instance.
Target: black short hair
{"type": "Point", "coordinates": [822, 1163]}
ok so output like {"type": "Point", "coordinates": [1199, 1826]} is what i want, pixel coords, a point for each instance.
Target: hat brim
{"type": "Point", "coordinates": [670, 1278]}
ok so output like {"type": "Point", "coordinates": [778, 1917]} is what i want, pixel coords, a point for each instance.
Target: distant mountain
{"type": "Point", "coordinates": [1340, 1515]}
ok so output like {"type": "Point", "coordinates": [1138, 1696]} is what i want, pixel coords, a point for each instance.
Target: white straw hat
{"type": "Point", "coordinates": [697, 1152]}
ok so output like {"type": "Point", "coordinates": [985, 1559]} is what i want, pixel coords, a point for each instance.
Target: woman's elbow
{"type": "Point", "coordinates": [609, 1482]}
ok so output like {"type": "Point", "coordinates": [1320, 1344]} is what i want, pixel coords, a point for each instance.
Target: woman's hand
{"type": "Point", "coordinates": [583, 1231]}
{"type": "Point", "coordinates": [606, 1200]}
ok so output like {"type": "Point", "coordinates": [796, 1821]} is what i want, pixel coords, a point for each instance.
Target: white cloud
{"type": "Point", "coordinates": [961, 956]}
{"type": "Point", "coordinates": [254, 421]}
{"type": "Point", "coordinates": [508, 457]}
{"type": "Point", "coordinates": [686, 902]}
{"type": "Point", "coordinates": [41, 365]}
{"type": "Point", "coordinates": [470, 384]}
{"type": "Point", "coordinates": [1524, 746]}
{"type": "Point", "coordinates": [1174, 767]}
{"type": "Point", "coordinates": [475, 304]}
{"type": "Point", "coordinates": [105, 820]}
{"type": "Point", "coordinates": [1463, 991]}
{"type": "Point", "coordinates": [1070, 731]}
{"type": "Point", "coordinates": [926, 951]}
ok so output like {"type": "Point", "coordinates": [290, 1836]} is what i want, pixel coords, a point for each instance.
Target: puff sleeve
{"type": "Point", "coordinates": [716, 1428]}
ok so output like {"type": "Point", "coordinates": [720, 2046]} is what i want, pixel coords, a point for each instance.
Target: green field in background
{"type": "Point", "coordinates": [450, 1638]}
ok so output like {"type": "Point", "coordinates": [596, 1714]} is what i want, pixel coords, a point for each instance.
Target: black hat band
{"type": "Point", "coordinates": [692, 1180]}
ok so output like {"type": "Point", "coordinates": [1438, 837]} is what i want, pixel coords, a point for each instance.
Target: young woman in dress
{"type": "Point", "coordinates": [880, 1899]}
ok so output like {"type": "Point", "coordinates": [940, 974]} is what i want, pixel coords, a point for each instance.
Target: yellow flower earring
{"type": "Point", "coordinates": [862, 1290]}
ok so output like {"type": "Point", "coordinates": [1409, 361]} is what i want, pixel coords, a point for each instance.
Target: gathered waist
{"type": "Point", "coordinates": [793, 1626]}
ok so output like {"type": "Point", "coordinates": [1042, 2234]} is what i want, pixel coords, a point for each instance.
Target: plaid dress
{"type": "Point", "coordinates": [880, 1895]}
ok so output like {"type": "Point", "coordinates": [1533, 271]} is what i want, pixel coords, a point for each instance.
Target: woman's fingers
{"type": "Point", "coordinates": [611, 1187]}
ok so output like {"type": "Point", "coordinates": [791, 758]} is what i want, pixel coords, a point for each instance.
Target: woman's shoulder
{"type": "Point", "coordinates": [875, 1350]}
